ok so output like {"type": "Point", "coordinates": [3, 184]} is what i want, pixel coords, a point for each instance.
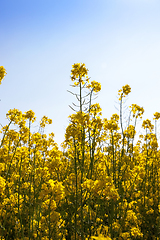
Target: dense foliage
{"type": "Point", "coordinates": [104, 184]}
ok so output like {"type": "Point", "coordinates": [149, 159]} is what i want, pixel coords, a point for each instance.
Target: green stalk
{"type": "Point", "coordinates": [121, 122]}
{"type": "Point", "coordinates": [50, 220]}
{"type": "Point", "coordinates": [5, 133]}
{"type": "Point", "coordinates": [114, 169]}
{"type": "Point", "coordinates": [30, 180]}
{"type": "Point", "coordinates": [22, 229]}
{"type": "Point", "coordinates": [82, 164]}
{"type": "Point", "coordinates": [76, 189]}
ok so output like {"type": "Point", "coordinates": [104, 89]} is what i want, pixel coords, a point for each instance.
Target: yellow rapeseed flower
{"type": "Point", "coordinates": [124, 91]}
{"type": "Point", "coordinates": [30, 115]}
{"type": "Point", "coordinates": [130, 131]}
{"type": "Point", "coordinates": [135, 232]}
{"type": "Point", "coordinates": [2, 185]}
{"type": "Point", "coordinates": [79, 73]}
{"type": "Point", "coordinates": [137, 110]}
{"type": "Point", "coordinates": [100, 237]}
{"type": "Point", "coordinates": [45, 120]}
{"type": "Point", "coordinates": [147, 124]}
{"type": "Point", "coordinates": [156, 115]}
{"type": "Point", "coordinates": [96, 86]}
{"type": "Point", "coordinates": [2, 73]}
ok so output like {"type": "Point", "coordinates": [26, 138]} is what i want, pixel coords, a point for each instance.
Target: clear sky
{"type": "Point", "coordinates": [40, 40]}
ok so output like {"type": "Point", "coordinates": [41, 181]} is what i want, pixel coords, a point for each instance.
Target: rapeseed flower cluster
{"type": "Point", "coordinates": [102, 185]}
{"type": "Point", "coordinates": [156, 115]}
{"type": "Point", "coordinates": [2, 73]}
{"type": "Point", "coordinates": [79, 74]}
{"type": "Point", "coordinates": [96, 86]}
{"type": "Point", "coordinates": [124, 91]}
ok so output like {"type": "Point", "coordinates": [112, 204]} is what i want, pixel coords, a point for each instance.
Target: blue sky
{"type": "Point", "coordinates": [118, 40]}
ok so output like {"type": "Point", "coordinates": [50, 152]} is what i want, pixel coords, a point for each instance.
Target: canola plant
{"type": "Point", "coordinates": [104, 184]}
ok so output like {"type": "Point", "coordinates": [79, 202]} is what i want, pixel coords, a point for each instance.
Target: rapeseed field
{"type": "Point", "coordinates": [103, 184]}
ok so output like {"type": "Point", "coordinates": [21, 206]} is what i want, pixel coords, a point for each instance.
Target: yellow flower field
{"type": "Point", "coordinates": [103, 185]}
